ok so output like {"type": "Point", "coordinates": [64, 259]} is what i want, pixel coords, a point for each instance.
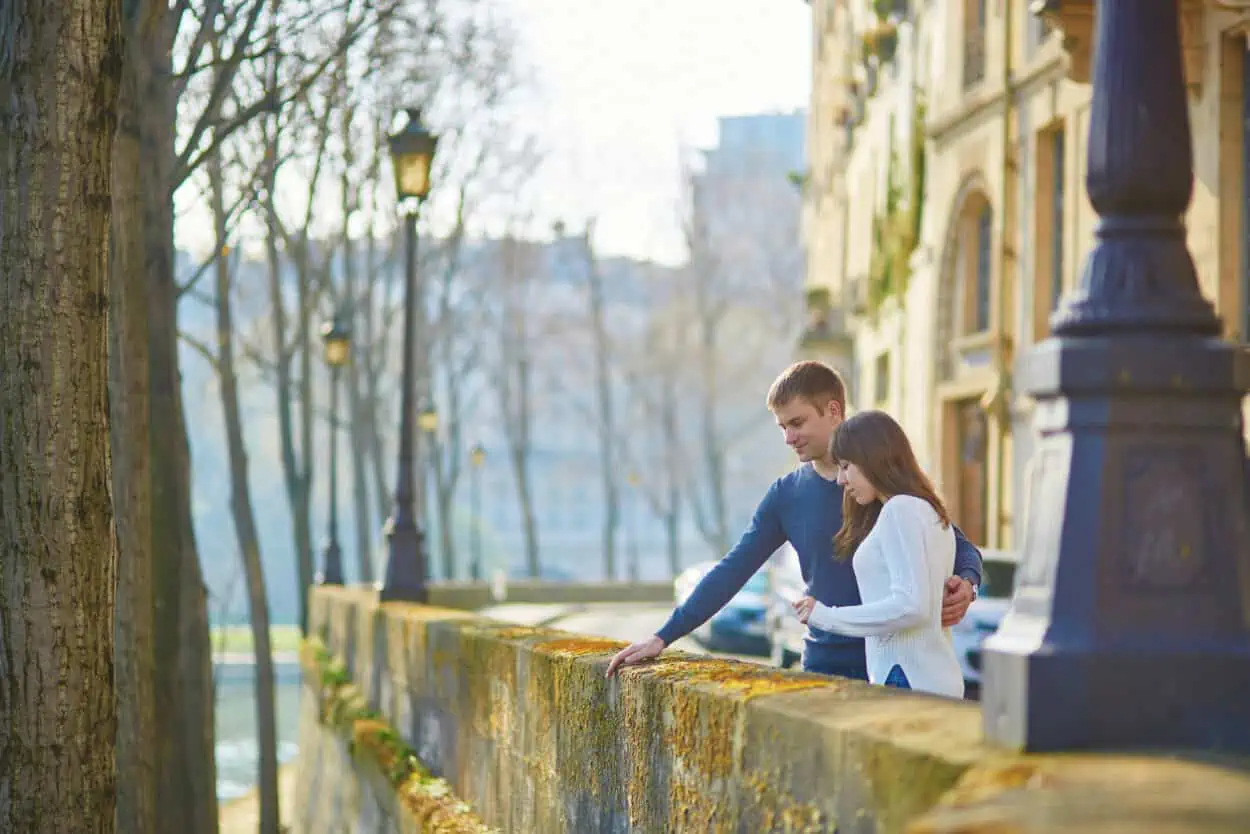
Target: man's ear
{"type": "Point", "coordinates": [835, 409]}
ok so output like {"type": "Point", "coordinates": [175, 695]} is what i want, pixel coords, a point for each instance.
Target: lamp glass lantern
{"type": "Point", "coordinates": [337, 340]}
{"type": "Point", "coordinates": [427, 419]}
{"type": "Point", "coordinates": [412, 153]}
{"type": "Point", "coordinates": [477, 455]}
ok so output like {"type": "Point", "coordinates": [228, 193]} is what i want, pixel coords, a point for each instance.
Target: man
{"type": "Point", "coordinates": [803, 507]}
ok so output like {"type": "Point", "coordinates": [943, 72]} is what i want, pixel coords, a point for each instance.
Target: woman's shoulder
{"type": "Point", "coordinates": [911, 506]}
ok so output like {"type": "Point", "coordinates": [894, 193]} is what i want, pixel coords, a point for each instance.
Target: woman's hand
{"type": "Point", "coordinates": [803, 608]}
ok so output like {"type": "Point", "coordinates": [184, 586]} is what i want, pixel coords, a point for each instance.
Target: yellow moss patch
{"type": "Point", "coordinates": [731, 677]}
{"type": "Point", "coordinates": [580, 646]}
{"type": "Point", "coordinates": [425, 613]}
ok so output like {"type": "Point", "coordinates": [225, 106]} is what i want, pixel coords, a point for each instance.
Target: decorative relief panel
{"type": "Point", "coordinates": [1164, 540]}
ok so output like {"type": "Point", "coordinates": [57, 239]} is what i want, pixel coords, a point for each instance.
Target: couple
{"type": "Point", "coordinates": [875, 545]}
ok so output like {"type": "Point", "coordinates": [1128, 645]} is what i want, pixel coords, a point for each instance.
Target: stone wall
{"type": "Point", "coordinates": [474, 595]}
{"type": "Point", "coordinates": [524, 727]}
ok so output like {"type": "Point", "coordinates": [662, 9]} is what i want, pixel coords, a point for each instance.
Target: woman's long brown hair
{"type": "Point", "coordinates": [874, 442]}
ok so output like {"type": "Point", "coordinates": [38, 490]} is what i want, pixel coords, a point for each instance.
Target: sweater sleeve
{"type": "Point", "coordinates": [967, 558]}
{"type": "Point", "coordinates": [909, 603]}
{"type": "Point", "coordinates": [725, 580]}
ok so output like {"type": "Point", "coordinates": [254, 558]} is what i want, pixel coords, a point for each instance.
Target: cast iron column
{"type": "Point", "coordinates": [1130, 625]}
{"type": "Point", "coordinates": [405, 564]}
{"type": "Point", "coordinates": [332, 558]}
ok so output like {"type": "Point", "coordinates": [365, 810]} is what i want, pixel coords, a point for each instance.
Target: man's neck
{"type": "Point", "coordinates": [826, 469]}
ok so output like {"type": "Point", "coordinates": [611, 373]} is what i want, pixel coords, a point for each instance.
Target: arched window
{"type": "Point", "coordinates": [974, 264]}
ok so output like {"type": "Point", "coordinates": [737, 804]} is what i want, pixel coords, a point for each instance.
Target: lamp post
{"type": "Point", "coordinates": [477, 457]}
{"type": "Point", "coordinates": [336, 339]}
{"type": "Point", "coordinates": [1128, 625]}
{"type": "Point", "coordinates": [412, 152]}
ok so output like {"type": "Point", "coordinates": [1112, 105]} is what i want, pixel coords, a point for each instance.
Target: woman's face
{"type": "Point", "coordinates": [856, 483]}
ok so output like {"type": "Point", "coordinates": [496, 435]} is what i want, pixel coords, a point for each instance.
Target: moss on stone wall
{"type": "Point", "coordinates": [426, 800]}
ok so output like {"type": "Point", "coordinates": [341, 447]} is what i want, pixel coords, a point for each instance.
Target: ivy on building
{"type": "Point", "coordinates": [896, 228]}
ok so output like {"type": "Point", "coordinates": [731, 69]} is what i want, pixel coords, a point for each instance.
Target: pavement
{"type": "Point", "coordinates": [242, 815]}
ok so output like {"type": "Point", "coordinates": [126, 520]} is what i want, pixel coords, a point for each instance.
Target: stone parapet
{"type": "Point", "coordinates": [473, 595]}
{"type": "Point", "coordinates": [523, 726]}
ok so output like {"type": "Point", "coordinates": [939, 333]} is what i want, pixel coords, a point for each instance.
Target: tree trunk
{"type": "Point", "coordinates": [60, 68]}
{"type": "Point", "coordinates": [295, 478]}
{"type": "Point", "coordinates": [134, 659]}
{"type": "Point", "coordinates": [185, 767]}
{"type": "Point", "coordinates": [245, 519]}
{"type": "Point", "coordinates": [606, 415]}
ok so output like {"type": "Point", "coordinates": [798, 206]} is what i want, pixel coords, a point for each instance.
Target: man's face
{"type": "Point", "coordinates": [808, 428]}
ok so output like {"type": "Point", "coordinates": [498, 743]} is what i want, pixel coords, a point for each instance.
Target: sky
{"type": "Point", "coordinates": [623, 85]}
{"type": "Point", "coordinates": [619, 88]}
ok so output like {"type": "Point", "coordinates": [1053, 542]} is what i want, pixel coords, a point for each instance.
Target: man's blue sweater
{"type": "Point", "coordinates": [805, 509]}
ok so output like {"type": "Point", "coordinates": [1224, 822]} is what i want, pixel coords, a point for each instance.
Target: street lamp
{"type": "Point", "coordinates": [477, 457]}
{"type": "Point", "coordinates": [412, 152]}
{"type": "Point", "coordinates": [1128, 626]}
{"type": "Point", "coordinates": [337, 340]}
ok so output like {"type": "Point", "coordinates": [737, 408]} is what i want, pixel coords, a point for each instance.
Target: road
{"type": "Point", "coordinates": [617, 621]}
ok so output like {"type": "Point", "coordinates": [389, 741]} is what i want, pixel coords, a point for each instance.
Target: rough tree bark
{"type": "Point", "coordinates": [60, 70]}
{"type": "Point", "coordinates": [244, 517]}
{"type": "Point", "coordinates": [134, 657]}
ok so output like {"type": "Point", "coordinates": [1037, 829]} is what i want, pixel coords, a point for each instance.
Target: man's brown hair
{"type": "Point", "coordinates": [809, 380]}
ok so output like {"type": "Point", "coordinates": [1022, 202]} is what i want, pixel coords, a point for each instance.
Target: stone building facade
{"type": "Point", "coordinates": [946, 212]}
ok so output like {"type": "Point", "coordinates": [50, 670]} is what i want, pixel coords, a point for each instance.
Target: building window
{"type": "Point", "coordinates": [973, 265]}
{"type": "Point", "coordinates": [973, 475]}
{"type": "Point", "coordinates": [1244, 281]}
{"type": "Point", "coordinates": [985, 238]}
{"type": "Point", "coordinates": [1051, 207]}
{"type": "Point", "coordinates": [1057, 139]}
{"type": "Point", "coordinates": [974, 42]}
{"type": "Point", "coordinates": [881, 380]}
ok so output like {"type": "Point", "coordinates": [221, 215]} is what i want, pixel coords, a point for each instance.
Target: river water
{"type": "Point", "coordinates": [237, 763]}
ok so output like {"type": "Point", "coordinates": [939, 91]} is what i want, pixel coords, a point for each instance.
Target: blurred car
{"type": "Point", "coordinates": [985, 613]}
{"type": "Point", "coordinates": [785, 587]}
{"type": "Point", "coordinates": [739, 626]}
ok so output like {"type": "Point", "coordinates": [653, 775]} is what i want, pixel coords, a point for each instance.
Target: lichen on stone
{"type": "Point", "coordinates": [430, 802]}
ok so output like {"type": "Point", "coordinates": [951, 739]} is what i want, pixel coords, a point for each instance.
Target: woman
{"type": "Point", "coordinates": [902, 542]}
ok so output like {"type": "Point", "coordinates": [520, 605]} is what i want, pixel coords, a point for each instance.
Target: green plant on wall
{"type": "Point", "coordinates": [896, 228]}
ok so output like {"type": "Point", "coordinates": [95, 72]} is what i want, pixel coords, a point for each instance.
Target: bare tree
{"type": "Point", "coordinates": [129, 406]}
{"type": "Point", "coordinates": [57, 543]}
{"type": "Point", "coordinates": [653, 376]}
{"type": "Point", "coordinates": [605, 415]}
{"type": "Point", "coordinates": [739, 290]}
{"type": "Point", "coordinates": [244, 515]}
{"type": "Point", "coordinates": [515, 264]}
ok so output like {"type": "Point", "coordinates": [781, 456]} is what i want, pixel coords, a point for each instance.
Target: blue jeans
{"type": "Point", "coordinates": [843, 668]}
{"type": "Point", "coordinates": [897, 678]}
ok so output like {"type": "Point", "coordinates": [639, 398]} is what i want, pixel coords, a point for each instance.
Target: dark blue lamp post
{"type": "Point", "coordinates": [336, 339]}
{"type": "Point", "coordinates": [1130, 624]}
{"type": "Point", "coordinates": [412, 152]}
